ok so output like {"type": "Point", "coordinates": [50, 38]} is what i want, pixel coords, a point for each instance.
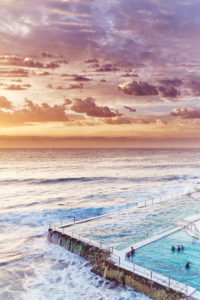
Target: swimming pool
{"type": "Point", "coordinates": [158, 257]}
{"type": "Point", "coordinates": [133, 226]}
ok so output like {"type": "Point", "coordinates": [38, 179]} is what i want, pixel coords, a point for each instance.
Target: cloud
{"type": "Point", "coordinates": [130, 109]}
{"type": "Point", "coordinates": [129, 31]}
{"type": "Point", "coordinates": [138, 88]}
{"type": "Point", "coordinates": [46, 54]}
{"type": "Point", "coordinates": [17, 87]}
{"type": "Point", "coordinates": [186, 113]}
{"type": "Point", "coordinates": [126, 75]}
{"type": "Point", "coordinates": [14, 73]}
{"type": "Point", "coordinates": [107, 68]}
{"type": "Point", "coordinates": [89, 107]}
{"type": "Point", "coordinates": [75, 86]}
{"type": "Point", "coordinates": [92, 61]}
{"type": "Point", "coordinates": [5, 103]}
{"type": "Point", "coordinates": [32, 112]}
{"type": "Point", "coordinates": [145, 120]}
{"type": "Point", "coordinates": [168, 91]}
{"type": "Point", "coordinates": [44, 74]}
{"type": "Point", "coordinates": [80, 78]}
{"type": "Point", "coordinates": [68, 102]}
{"type": "Point", "coordinates": [28, 62]}
{"type": "Point", "coordinates": [49, 86]}
{"type": "Point", "coordinates": [194, 85]}
{"type": "Point", "coordinates": [171, 82]}
{"type": "Point", "coordinates": [69, 87]}
{"type": "Point", "coordinates": [42, 112]}
{"type": "Point", "coordinates": [121, 120]}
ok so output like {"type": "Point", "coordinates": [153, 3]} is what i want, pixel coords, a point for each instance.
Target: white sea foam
{"type": "Point", "coordinates": [39, 187]}
{"type": "Point", "coordinates": [63, 275]}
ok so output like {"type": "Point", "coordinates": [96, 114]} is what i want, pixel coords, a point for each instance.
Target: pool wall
{"type": "Point", "coordinates": [77, 246]}
{"type": "Point", "coordinates": [139, 283]}
{"type": "Point", "coordinates": [104, 266]}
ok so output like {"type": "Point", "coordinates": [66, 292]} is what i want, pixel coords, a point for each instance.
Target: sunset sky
{"type": "Point", "coordinates": [100, 73]}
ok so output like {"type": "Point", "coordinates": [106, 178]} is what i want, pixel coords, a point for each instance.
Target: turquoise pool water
{"type": "Point", "coordinates": [127, 228]}
{"type": "Point", "coordinates": [158, 257]}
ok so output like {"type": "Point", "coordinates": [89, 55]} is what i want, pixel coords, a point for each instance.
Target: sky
{"type": "Point", "coordinates": [99, 73]}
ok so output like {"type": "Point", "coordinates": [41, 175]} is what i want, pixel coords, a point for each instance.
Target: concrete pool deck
{"type": "Point", "coordinates": [150, 240]}
{"type": "Point", "coordinates": [117, 259]}
{"type": "Point", "coordinates": [115, 268]}
{"type": "Point", "coordinates": [181, 225]}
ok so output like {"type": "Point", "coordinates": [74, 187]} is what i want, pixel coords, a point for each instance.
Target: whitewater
{"type": "Point", "coordinates": [43, 186]}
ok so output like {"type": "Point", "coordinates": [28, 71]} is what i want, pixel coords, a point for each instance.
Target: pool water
{"type": "Point", "coordinates": [158, 257]}
{"type": "Point", "coordinates": [133, 226]}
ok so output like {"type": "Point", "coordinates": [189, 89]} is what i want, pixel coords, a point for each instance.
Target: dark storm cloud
{"type": "Point", "coordinates": [90, 108]}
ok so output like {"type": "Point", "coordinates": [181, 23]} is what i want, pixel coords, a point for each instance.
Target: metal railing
{"type": "Point", "coordinates": [77, 236]}
{"type": "Point", "coordinates": [154, 199]}
{"type": "Point", "coordinates": [149, 274]}
{"type": "Point", "coordinates": [192, 230]}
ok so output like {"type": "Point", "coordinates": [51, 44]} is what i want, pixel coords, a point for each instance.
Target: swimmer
{"type": "Point", "coordinates": [128, 254]}
{"type": "Point", "coordinates": [132, 250]}
{"type": "Point", "coordinates": [187, 265]}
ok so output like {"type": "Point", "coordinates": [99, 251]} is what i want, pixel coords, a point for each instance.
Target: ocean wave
{"type": "Point", "coordinates": [42, 181]}
{"type": "Point", "coordinates": [56, 180]}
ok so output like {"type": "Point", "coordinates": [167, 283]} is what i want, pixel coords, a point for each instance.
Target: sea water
{"type": "Point", "coordinates": [39, 187]}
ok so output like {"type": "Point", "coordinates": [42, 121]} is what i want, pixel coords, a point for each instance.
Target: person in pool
{"type": "Point", "coordinates": [182, 248]}
{"type": "Point", "coordinates": [178, 248]}
{"type": "Point", "coordinates": [187, 265]}
{"type": "Point", "coordinates": [132, 251]}
{"type": "Point", "coordinates": [172, 248]}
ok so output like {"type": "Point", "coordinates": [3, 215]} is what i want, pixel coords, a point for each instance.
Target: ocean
{"type": "Point", "coordinates": [42, 186]}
